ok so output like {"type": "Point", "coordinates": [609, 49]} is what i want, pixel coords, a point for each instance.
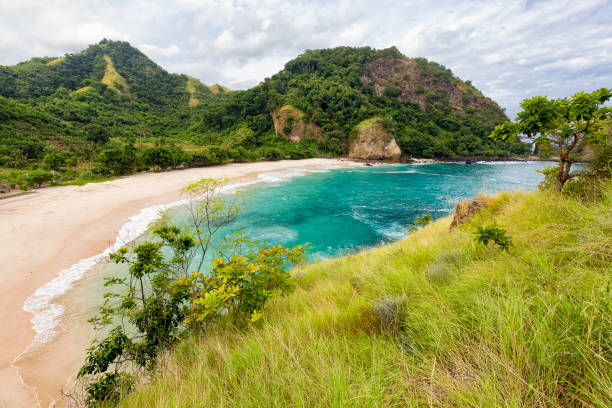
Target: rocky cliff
{"type": "Point", "coordinates": [371, 141]}
{"type": "Point", "coordinates": [422, 82]}
{"type": "Point", "coordinates": [289, 122]}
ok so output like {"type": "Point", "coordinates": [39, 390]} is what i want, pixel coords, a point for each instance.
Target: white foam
{"type": "Point", "coordinates": [392, 232]}
{"type": "Point", "coordinates": [275, 177]}
{"type": "Point", "coordinates": [508, 162]}
{"type": "Point", "coordinates": [47, 315]}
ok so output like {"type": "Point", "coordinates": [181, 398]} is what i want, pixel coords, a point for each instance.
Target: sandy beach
{"type": "Point", "coordinates": [46, 232]}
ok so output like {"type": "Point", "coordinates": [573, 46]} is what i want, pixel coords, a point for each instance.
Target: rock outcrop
{"type": "Point", "coordinates": [5, 187]}
{"type": "Point", "coordinates": [372, 142]}
{"type": "Point", "coordinates": [289, 122]}
{"type": "Point", "coordinates": [466, 209]}
{"type": "Point", "coordinates": [422, 82]}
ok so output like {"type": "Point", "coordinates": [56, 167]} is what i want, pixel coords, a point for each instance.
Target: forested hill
{"type": "Point", "coordinates": [110, 109]}
{"type": "Point", "coordinates": [110, 83]}
{"type": "Point", "coordinates": [429, 111]}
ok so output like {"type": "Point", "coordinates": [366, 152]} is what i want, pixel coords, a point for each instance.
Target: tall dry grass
{"type": "Point", "coordinates": [433, 320]}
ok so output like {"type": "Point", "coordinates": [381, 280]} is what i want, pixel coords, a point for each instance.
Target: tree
{"type": "Point", "coordinates": [96, 133]}
{"type": "Point", "coordinates": [54, 160]}
{"type": "Point", "coordinates": [119, 159]}
{"type": "Point", "coordinates": [38, 177]}
{"type": "Point", "coordinates": [563, 125]}
{"type": "Point", "coordinates": [165, 294]}
{"type": "Point", "coordinates": [163, 157]}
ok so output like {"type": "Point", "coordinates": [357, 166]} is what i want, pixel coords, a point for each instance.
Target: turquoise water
{"type": "Point", "coordinates": [344, 210]}
{"type": "Point", "coordinates": [337, 212]}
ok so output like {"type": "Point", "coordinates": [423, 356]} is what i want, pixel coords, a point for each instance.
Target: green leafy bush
{"type": "Point", "coordinates": [602, 160]}
{"type": "Point", "coordinates": [551, 178]}
{"type": "Point", "coordinates": [37, 178]}
{"type": "Point", "coordinates": [492, 232]}
{"type": "Point", "coordinates": [167, 295]}
{"type": "Point", "coordinates": [54, 160]}
{"type": "Point", "coordinates": [420, 222]}
{"type": "Point", "coordinates": [587, 185]}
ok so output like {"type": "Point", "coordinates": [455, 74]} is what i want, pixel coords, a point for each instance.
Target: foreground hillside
{"type": "Point", "coordinates": [435, 319]}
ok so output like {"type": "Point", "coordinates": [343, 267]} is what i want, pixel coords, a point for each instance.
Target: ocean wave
{"type": "Point", "coordinates": [276, 177]}
{"type": "Point", "coordinates": [276, 232]}
{"type": "Point", "coordinates": [393, 231]}
{"type": "Point", "coordinates": [493, 163]}
{"type": "Point", "coordinates": [46, 314]}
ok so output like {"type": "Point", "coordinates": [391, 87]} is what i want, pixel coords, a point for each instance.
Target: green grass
{"type": "Point", "coordinates": [113, 79]}
{"type": "Point", "coordinates": [364, 124]}
{"type": "Point", "coordinates": [191, 88]}
{"type": "Point", "coordinates": [56, 61]}
{"type": "Point", "coordinates": [433, 320]}
{"type": "Point", "coordinates": [82, 182]}
{"type": "Point", "coordinates": [216, 88]}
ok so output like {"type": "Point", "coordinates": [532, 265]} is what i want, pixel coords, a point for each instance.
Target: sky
{"type": "Point", "coordinates": [509, 49]}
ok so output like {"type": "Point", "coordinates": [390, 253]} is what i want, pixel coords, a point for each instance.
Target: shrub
{"type": "Point", "coordinates": [420, 222]}
{"type": "Point", "coordinates": [551, 178]}
{"type": "Point", "coordinates": [167, 295]}
{"type": "Point", "coordinates": [392, 92]}
{"type": "Point", "coordinates": [38, 178]}
{"type": "Point", "coordinates": [585, 186]}
{"type": "Point", "coordinates": [96, 133]}
{"type": "Point", "coordinates": [602, 160]}
{"type": "Point", "coordinates": [492, 232]}
{"type": "Point", "coordinates": [118, 160]}
{"type": "Point", "coordinates": [437, 272]}
{"type": "Point", "coordinates": [54, 160]}
{"type": "Point", "coordinates": [389, 311]}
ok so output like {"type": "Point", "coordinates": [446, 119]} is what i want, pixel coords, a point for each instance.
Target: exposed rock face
{"type": "Point", "coordinates": [466, 209]}
{"type": "Point", "coordinates": [289, 122]}
{"type": "Point", "coordinates": [417, 81]}
{"type": "Point", "coordinates": [4, 186]}
{"type": "Point", "coordinates": [373, 142]}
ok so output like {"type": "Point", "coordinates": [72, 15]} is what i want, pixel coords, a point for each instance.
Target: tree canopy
{"type": "Point", "coordinates": [563, 125]}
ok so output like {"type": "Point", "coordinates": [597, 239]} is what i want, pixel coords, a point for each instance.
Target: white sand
{"type": "Point", "coordinates": [52, 229]}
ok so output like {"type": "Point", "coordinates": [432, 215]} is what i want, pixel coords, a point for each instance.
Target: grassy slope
{"type": "Point", "coordinates": [480, 327]}
{"type": "Point", "coordinates": [191, 88]}
{"type": "Point", "coordinates": [112, 78]}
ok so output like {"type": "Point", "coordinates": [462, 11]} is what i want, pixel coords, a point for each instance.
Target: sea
{"type": "Point", "coordinates": [340, 211]}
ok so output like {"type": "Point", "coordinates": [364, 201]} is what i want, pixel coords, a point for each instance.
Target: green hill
{"type": "Point", "coordinates": [433, 320]}
{"type": "Point", "coordinates": [429, 111]}
{"type": "Point", "coordinates": [111, 97]}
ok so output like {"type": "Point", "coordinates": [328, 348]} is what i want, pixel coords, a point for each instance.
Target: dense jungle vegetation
{"type": "Point", "coordinates": [110, 110]}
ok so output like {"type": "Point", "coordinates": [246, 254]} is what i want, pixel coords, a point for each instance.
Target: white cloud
{"type": "Point", "coordinates": [509, 49]}
{"type": "Point", "coordinates": [153, 51]}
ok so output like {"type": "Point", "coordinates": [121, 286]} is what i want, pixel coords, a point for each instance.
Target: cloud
{"type": "Point", "coordinates": [153, 51]}
{"type": "Point", "coordinates": [509, 49]}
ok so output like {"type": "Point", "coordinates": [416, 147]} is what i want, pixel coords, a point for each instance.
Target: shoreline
{"type": "Point", "coordinates": [402, 160]}
{"type": "Point", "coordinates": [55, 228]}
